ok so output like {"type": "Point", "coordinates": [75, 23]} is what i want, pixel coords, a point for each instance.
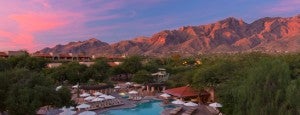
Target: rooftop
{"type": "Point", "coordinates": [185, 91]}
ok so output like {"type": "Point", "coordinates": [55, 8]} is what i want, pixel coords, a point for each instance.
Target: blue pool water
{"type": "Point", "coordinates": [149, 108]}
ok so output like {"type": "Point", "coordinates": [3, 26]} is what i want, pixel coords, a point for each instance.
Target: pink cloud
{"type": "Point", "coordinates": [14, 41]}
{"type": "Point", "coordinates": [102, 17]}
{"type": "Point", "coordinates": [44, 3]}
{"type": "Point", "coordinates": [5, 34]}
{"type": "Point", "coordinates": [22, 20]}
{"type": "Point", "coordinates": [31, 23]}
{"type": "Point", "coordinates": [285, 6]}
{"type": "Point", "coordinates": [34, 22]}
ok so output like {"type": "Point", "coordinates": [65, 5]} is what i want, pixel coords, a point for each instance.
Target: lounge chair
{"type": "Point", "coordinates": [137, 98]}
{"type": "Point", "coordinates": [101, 105]}
{"type": "Point", "coordinates": [175, 110]}
{"type": "Point", "coordinates": [119, 102]}
{"type": "Point", "coordinates": [113, 102]}
{"type": "Point", "coordinates": [106, 104]}
{"type": "Point", "coordinates": [212, 110]}
{"type": "Point", "coordinates": [189, 111]}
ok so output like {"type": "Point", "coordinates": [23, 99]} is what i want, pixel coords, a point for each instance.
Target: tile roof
{"type": "Point", "coordinates": [185, 91]}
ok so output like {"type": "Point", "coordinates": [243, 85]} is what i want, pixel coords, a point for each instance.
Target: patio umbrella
{"type": "Point", "coordinates": [97, 99]}
{"type": "Point", "coordinates": [58, 88]}
{"type": "Point", "coordinates": [165, 95]}
{"type": "Point", "coordinates": [122, 94]}
{"type": "Point", "coordinates": [215, 104]}
{"type": "Point", "coordinates": [137, 85]}
{"type": "Point", "coordinates": [117, 87]}
{"type": "Point", "coordinates": [84, 95]}
{"type": "Point", "coordinates": [67, 111]}
{"type": "Point", "coordinates": [75, 86]}
{"type": "Point", "coordinates": [97, 93]}
{"type": "Point", "coordinates": [87, 113]}
{"type": "Point", "coordinates": [66, 108]}
{"type": "Point", "coordinates": [128, 83]}
{"type": "Point", "coordinates": [177, 102]}
{"type": "Point", "coordinates": [103, 96]}
{"type": "Point", "coordinates": [83, 106]}
{"type": "Point", "coordinates": [89, 98]}
{"type": "Point", "coordinates": [190, 104]}
{"type": "Point", "coordinates": [133, 92]}
{"type": "Point", "coordinates": [109, 97]}
{"type": "Point", "coordinates": [41, 112]}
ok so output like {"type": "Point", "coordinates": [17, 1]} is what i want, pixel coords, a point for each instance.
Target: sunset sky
{"type": "Point", "coordinates": [35, 24]}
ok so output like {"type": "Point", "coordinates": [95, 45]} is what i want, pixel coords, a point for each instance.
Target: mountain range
{"type": "Point", "coordinates": [270, 34]}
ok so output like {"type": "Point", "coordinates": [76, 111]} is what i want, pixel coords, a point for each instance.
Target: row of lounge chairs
{"type": "Point", "coordinates": [135, 98]}
{"type": "Point", "coordinates": [105, 104]}
{"type": "Point", "coordinates": [213, 110]}
{"type": "Point", "coordinates": [189, 111]}
{"type": "Point", "coordinates": [175, 110]}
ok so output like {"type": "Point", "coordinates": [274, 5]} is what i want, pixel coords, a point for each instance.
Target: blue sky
{"type": "Point", "coordinates": [35, 24]}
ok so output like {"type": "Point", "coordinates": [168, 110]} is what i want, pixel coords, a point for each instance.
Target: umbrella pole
{"type": "Point", "coordinates": [77, 90]}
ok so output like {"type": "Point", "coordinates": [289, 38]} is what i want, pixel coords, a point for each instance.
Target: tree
{"type": "Point", "coordinates": [132, 64]}
{"type": "Point", "coordinates": [98, 71]}
{"type": "Point", "coordinates": [20, 101]}
{"type": "Point", "coordinates": [262, 90]}
{"type": "Point", "coordinates": [25, 61]}
{"type": "Point", "coordinates": [116, 70]}
{"type": "Point", "coordinates": [64, 97]}
{"type": "Point", "coordinates": [4, 88]}
{"type": "Point", "coordinates": [152, 65]}
{"type": "Point", "coordinates": [72, 72]}
{"type": "Point", "coordinates": [212, 75]}
{"type": "Point", "coordinates": [142, 76]}
{"type": "Point", "coordinates": [4, 65]}
{"type": "Point", "coordinates": [26, 91]}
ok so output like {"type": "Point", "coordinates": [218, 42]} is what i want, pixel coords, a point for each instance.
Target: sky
{"type": "Point", "coordinates": [35, 24]}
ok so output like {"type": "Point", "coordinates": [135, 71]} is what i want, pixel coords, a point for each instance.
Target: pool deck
{"type": "Point", "coordinates": [201, 109]}
{"type": "Point", "coordinates": [127, 103]}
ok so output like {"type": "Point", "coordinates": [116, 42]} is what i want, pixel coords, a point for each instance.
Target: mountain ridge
{"type": "Point", "coordinates": [228, 35]}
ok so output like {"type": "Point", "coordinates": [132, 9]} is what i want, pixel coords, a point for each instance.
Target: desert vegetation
{"type": "Point", "coordinates": [252, 83]}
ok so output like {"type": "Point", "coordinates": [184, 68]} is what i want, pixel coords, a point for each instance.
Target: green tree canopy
{"type": "Point", "coordinates": [98, 71]}
{"type": "Point", "coordinates": [25, 91]}
{"type": "Point", "coordinates": [142, 76]}
{"type": "Point", "coordinates": [132, 64]}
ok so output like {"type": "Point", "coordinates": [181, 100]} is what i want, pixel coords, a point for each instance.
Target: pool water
{"type": "Point", "coordinates": [149, 108]}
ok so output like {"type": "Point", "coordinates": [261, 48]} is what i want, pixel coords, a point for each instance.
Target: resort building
{"type": "Point", "coordinates": [3, 55]}
{"type": "Point", "coordinates": [63, 56]}
{"type": "Point", "coordinates": [121, 77]}
{"type": "Point", "coordinates": [45, 56]}
{"type": "Point", "coordinates": [153, 88]}
{"type": "Point", "coordinates": [53, 65]}
{"type": "Point", "coordinates": [160, 76]}
{"type": "Point", "coordinates": [11, 53]}
{"type": "Point", "coordinates": [88, 64]}
{"type": "Point", "coordinates": [16, 53]}
{"type": "Point", "coordinates": [182, 92]}
{"type": "Point", "coordinates": [114, 64]}
{"type": "Point", "coordinates": [188, 93]}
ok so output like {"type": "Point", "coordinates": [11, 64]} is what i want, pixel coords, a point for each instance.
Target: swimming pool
{"type": "Point", "coordinates": [152, 107]}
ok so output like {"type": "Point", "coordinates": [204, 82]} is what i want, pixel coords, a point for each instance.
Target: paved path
{"type": "Point", "coordinates": [200, 111]}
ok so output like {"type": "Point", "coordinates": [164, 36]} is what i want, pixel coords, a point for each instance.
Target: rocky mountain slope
{"type": "Point", "coordinates": [229, 35]}
{"type": "Point", "coordinates": [87, 46]}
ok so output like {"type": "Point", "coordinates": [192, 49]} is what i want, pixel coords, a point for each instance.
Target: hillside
{"type": "Point", "coordinates": [268, 34]}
